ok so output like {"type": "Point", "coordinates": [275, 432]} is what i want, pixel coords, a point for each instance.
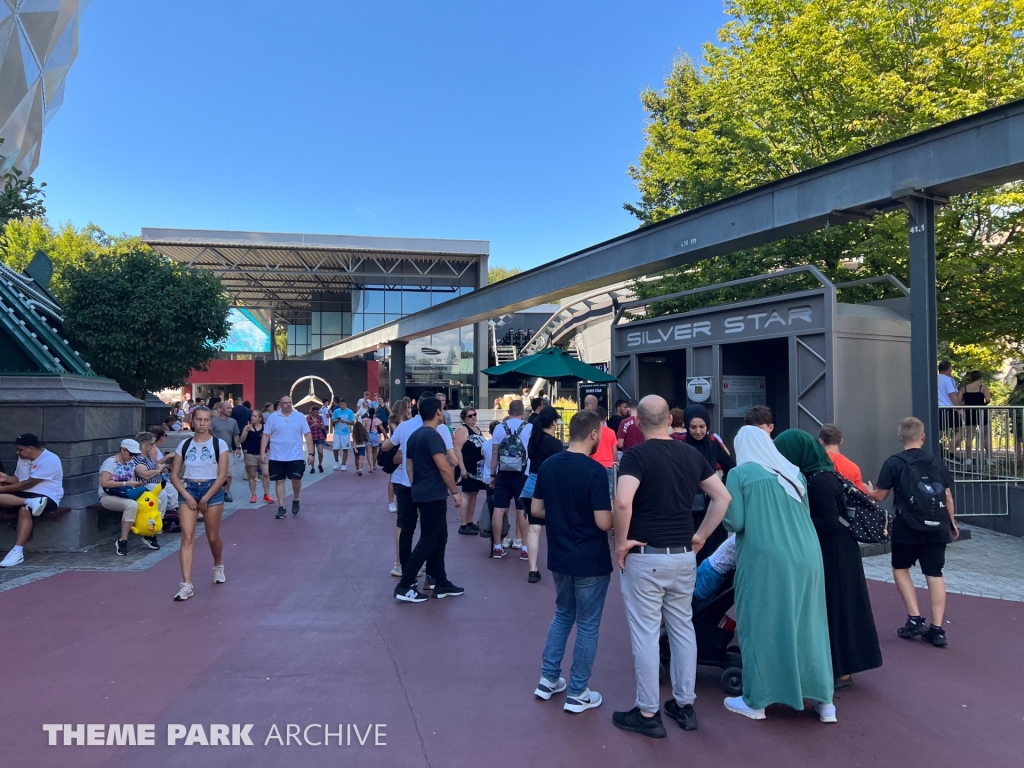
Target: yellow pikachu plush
{"type": "Point", "coordinates": [147, 519]}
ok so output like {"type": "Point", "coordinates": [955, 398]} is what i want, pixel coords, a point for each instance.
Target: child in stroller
{"type": "Point", "coordinates": [712, 598]}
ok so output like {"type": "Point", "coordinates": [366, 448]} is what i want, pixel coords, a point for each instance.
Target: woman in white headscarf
{"type": "Point", "coordinates": [781, 620]}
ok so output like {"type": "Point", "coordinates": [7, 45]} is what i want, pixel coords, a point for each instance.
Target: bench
{"type": "Point", "coordinates": [9, 513]}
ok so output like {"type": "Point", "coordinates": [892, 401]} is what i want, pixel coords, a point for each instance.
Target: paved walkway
{"type": "Point", "coordinates": [305, 631]}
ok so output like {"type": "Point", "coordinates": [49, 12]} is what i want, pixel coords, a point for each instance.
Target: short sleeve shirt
{"type": "Point", "coordinates": [343, 413]}
{"type": "Point", "coordinates": [889, 478]}
{"type": "Point", "coordinates": [200, 461]}
{"type": "Point", "coordinates": [629, 432]}
{"type": "Point", "coordinates": [287, 436]}
{"type": "Point", "coordinates": [946, 387]}
{"type": "Point", "coordinates": [427, 483]}
{"type": "Point", "coordinates": [670, 473]}
{"type": "Point", "coordinates": [119, 472]}
{"type": "Point", "coordinates": [572, 486]}
{"type": "Point", "coordinates": [48, 470]}
{"type": "Point", "coordinates": [402, 434]}
{"type": "Point", "coordinates": [508, 427]}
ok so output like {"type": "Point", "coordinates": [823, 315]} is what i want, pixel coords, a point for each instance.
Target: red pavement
{"type": "Point", "coordinates": [306, 631]}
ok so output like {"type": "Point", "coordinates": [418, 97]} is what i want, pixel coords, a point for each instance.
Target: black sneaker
{"type": "Point", "coordinates": [295, 506]}
{"type": "Point", "coordinates": [684, 715]}
{"type": "Point", "coordinates": [914, 627]}
{"type": "Point", "coordinates": [410, 595]}
{"type": "Point", "coordinates": [121, 546]}
{"type": "Point", "coordinates": [936, 636]}
{"type": "Point", "coordinates": [469, 530]}
{"type": "Point", "coordinates": [321, 469]}
{"type": "Point", "coordinates": [281, 512]}
{"type": "Point", "coordinates": [227, 497]}
{"type": "Point", "coordinates": [150, 541]}
{"type": "Point", "coordinates": [637, 723]}
{"type": "Point", "coordinates": [450, 590]}
{"type": "Point", "coordinates": [534, 577]}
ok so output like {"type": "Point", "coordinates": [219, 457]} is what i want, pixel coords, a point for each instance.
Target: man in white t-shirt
{"type": "Point", "coordinates": [406, 522]}
{"type": "Point", "coordinates": [37, 485]}
{"type": "Point", "coordinates": [291, 448]}
{"type": "Point", "coordinates": [949, 397]}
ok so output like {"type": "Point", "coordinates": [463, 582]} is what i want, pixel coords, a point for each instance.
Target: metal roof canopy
{"type": "Point", "coordinates": [283, 271]}
{"type": "Point", "coordinates": [969, 154]}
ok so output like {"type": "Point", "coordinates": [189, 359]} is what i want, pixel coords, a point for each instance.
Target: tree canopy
{"type": "Point", "coordinates": [494, 274]}
{"type": "Point", "coordinates": [20, 197]}
{"type": "Point", "coordinates": [793, 84]}
{"type": "Point", "coordinates": [141, 319]}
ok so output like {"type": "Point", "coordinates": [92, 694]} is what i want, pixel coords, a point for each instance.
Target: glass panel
{"type": "Point", "coordinates": [372, 321]}
{"type": "Point", "coordinates": [357, 324]}
{"type": "Point", "coordinates": [315, 322]}
{"type": "Point", "coordinates": [415, 301]}
{"type": "Point", "coordinates": [330, 323]}
{"type": "Point", "coordinates": [357, 300]}
{"type": "Point", "coordinates": [393, 302]}
{"type": "Point", "coordinates": [346, 323]}
{"type": "Point", "coordinates": [441, 295]}
{"type": "Point", "coordinates": [373, 301]}
{"type": "Point", "coordinates": [391, 318]}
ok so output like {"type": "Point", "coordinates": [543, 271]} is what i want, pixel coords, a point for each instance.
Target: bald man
{"type": "Point", "coordinates": [590, 403]}
{"type": "Point", "coordinates": [656, 547]}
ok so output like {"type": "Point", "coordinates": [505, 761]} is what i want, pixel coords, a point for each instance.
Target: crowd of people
{"type": "Point", "coordinates": [689, 517]}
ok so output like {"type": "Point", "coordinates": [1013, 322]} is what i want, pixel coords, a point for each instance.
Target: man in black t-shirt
{"type": "Point", "coordinates": [910, 546]}
{"type": "Point", "coordinates": [621, 412]}
{"type": "Point", "coordinates": [431, 479]}
{"type": "Point", "coordinates": [656, 548]}
{"type": "Point", "coordinates": [572, 497]}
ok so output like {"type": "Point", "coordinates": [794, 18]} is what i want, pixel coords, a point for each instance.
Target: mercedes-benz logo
{"type": "Point", "coordinates": [312, 396]}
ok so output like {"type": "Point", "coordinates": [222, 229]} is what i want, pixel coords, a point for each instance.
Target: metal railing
{"type": "Point", "coordinates": [983, 447]}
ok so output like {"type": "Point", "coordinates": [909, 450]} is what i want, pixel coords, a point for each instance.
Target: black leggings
{"type": "Point", "coordinates": [406, 521]}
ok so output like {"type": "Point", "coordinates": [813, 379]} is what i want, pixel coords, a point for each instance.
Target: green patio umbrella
{"type": "Point", "coordinates": [552, 364]}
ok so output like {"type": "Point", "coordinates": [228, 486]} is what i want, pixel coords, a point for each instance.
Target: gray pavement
{"type": "Point", "coordinates": [989, 564]}
{"type": "Point", "coordinates": [102, 556]}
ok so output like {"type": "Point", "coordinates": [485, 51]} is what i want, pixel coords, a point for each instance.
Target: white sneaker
{"type": "Point", "coordinates": [546, 689]}
{"type": "Point", "coordinates": [344, 467]}
{"type": "Point", "coordinates": [13, 558]}
{"type": "Point", "coordinates": [185, 591]}
{"type": "Point", "coordinates": [517, 543]}
{"type": "Point", "coordinates": [586, 700]}
{"type": "Point", "coordinates": [36, 506]}
{"type": "Point", "coordinates": [739, 706]}
{"type": "Point", "coordinates": [392, 507]}
{"type": "Point", "coordinates": [827, 712]}
{"type": "Point", "coordinates": [336, 465]}
{"type": "Point", "coordinates": [397, 570]}
{"type": "Point", "coordinates": [218, 574]}
{"type": "Point", "coordinates": [506, 543]}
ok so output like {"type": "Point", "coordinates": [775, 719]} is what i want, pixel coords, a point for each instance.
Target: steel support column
{"type": "Point", "coordinates": [396, 373]}
{"type": "Point", "coordinates": [924, 318]}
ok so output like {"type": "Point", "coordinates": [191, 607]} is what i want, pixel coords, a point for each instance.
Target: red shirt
{"type": "Point", "coordinates": [847, 469]}
{"type": "Point", "coordinates": [629, 433]}
{"type": "Point", "coordinates": [606, 449]}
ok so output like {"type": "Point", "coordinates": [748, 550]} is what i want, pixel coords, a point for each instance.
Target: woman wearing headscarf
{"type": "Point", "coordinates": [781, 621]}
{"type": "Point", "coordinates": [698, 435]}
{"type": "Point", "coordinates": [851, 624]}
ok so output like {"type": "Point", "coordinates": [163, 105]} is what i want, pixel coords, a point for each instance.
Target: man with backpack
{"type": "Point", "coordinates": [509, 462]}
{"type": "Point", "coordinates": [924, 525]}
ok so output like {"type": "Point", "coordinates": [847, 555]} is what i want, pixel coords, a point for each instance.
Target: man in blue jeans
{"type": "Point", "coordinates": [572, 497]}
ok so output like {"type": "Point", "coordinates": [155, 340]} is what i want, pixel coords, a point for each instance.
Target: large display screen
{"type": "Point", "coordinates": [250, 330]}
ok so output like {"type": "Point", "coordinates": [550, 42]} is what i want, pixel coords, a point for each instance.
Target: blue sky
{"type": "Point", "coordinates": [512, 122]}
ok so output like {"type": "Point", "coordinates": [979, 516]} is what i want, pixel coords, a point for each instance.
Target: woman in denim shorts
{"type": "Point", "coordinates": [201, 490]}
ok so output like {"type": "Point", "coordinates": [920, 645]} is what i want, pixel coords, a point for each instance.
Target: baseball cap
{"type": "Point", "coordinates": [132, 446]}
{"type": "Point", "coordinates": [28, 440]}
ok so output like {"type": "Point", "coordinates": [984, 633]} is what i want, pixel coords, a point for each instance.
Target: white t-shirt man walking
{"type": "Point", "coordinates": [291, 448]}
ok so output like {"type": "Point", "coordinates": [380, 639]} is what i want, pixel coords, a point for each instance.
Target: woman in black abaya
{"type": "Point", "coordinates": [851, 624]}
{"type": "Point", "coordinates": [698, 435]}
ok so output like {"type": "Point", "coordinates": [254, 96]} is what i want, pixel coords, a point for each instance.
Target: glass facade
{"type": "Point", "coordinates": [339, 316]}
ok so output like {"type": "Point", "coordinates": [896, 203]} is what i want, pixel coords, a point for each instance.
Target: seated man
{"type": "Point", "coordinates": [713, 572]}
{"type": "Point", "coordinates": [37, 485]}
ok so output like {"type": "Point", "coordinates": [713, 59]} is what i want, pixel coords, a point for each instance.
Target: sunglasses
{"type": "Point", "coordinates": [470, 415]}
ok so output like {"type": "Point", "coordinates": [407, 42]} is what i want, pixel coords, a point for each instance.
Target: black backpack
{"type": "Point", "coordinates": [921, 494]}
{"type": "Point", "coordinates": [866, 520]}
{"type": "Point", "coordinates": [386, 460]}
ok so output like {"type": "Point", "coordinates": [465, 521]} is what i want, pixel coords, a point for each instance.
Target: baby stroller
{"type": "Point", "coordinates": [716, 645]}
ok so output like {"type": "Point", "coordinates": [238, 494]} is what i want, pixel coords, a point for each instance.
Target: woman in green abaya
{"type": "Point", "coordinates": [781, 621]}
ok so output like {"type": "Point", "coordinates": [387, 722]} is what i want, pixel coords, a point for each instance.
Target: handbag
{"type": "Point", "coordinates": [126, 493]}
{"type": "Point", "coordinates": [529, 486]}
{"type": "Point", "coordinates": [867, 521]}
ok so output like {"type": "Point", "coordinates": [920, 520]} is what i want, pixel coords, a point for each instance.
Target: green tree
{"type": "Point", "coordinates": [68, 246]}
{"type": "Point", "coordinates": [20, 197]}
{"type": "Point", "coordinates": [494, 274]}
{"type": "Point", "coordinates": [793, 84]}
{"type": "Point", "coordinates": [141, 319]}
